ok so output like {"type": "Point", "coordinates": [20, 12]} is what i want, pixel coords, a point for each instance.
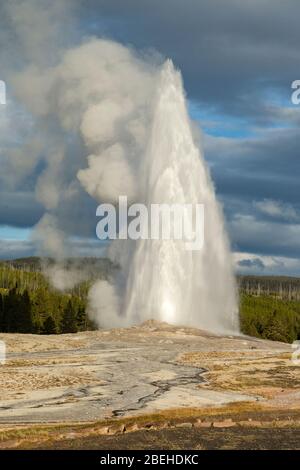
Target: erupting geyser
{"type": "Point", "coordinates": [160, 279]}
{"type": "Point", "coordinates": [166, 281]}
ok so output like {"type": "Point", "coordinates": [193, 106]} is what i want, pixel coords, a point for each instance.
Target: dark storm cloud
{"type": "Point", "coordinates": [250, 235]}
{"type": "Point", "coordinates": [19, 209]}
{"type": "Point", "coordinates": [264, 167]}
{"type": "Point", "coordinates": [230, 52]}
{"type": "Point", "coordinates": [258, 181]}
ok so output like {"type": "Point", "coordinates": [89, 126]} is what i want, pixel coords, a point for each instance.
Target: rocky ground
{"type": "Point", "coordinates": [165, 384]}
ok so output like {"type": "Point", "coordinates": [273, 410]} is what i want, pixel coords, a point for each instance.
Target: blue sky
{"type": "Point", "coordinates": [8, 232]}
{"type": "Point", "coordinates": [237, 63]}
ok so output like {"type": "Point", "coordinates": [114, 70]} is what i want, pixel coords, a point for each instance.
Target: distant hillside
{"type": "Point", "coordinates": [30, 262]}
{"type": "Point", "coordinates": [34, 264]}
{"type": "Point", "coordinates": [282, 287]}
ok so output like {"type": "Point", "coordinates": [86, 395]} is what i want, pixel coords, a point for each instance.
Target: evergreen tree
{"type": "Point", "coordinates": [42, 307]}
{"type": "Point", "coordinates": [69, 321]}
{"type": "Point", "coordinates": [2, 315]}
{"type": "Point", "coordinates": [49, 326]}
{"type": "Point", "coordinates": [81, 319]}
{"type": "Point", "coordinates": [277, 329]}
{"type": "Point", "coordinates": [24, 318]}
{"type": "Point", "coordinates": [11, 306]}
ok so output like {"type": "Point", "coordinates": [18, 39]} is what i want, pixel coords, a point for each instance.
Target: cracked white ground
{"type": "Point", "coordinates": [95, 375]}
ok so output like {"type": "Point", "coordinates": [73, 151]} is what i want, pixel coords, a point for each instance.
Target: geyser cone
{"type": "Point", "coordinates": [166, 281]}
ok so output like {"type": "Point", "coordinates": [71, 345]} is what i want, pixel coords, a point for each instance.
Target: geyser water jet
{"type": "Point", "coordinates": [165, 281]}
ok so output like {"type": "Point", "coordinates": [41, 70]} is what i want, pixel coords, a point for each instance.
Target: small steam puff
{"type": "Point", "coordinates": [104, 306]}
{"type": "Point", "coordinates": [62, 278]}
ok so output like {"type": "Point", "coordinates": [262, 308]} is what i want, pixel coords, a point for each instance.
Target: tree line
{"type": "Point", "coordinates": [269, 317]}
{"type": "Point", "coordinates": [42, 312]}
{"type": "Point", "coordinates": [28, 304]}
{"type": "Point", "coordinates": [281, 287]}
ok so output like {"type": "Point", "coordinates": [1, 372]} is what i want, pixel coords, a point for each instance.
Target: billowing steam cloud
{"type": "Point", "coordinates": [100, 92]}
{"type": "Point", "coordinates": [87, 114]}
{"type": "Point", "coordinates": [89, 108]}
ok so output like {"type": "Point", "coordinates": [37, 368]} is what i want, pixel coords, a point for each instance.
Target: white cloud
{"type": "Point", "coordinates": [274, 208]}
